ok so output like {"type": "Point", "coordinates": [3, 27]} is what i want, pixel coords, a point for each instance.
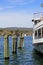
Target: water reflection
{"type": "Point", "coordinates": [15, 59]}
{"type": "Point", "coordinates": [38, 58]}
{"type": "Point", "coordinates": [24, 56]}
{"type": "Point", "coordinates": [14, 56]}
{"type": "Point", "coordinates": [6, 62]}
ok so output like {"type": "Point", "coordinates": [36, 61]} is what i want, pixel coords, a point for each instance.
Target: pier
{"type": "Point", "coordinates": [17, 40]}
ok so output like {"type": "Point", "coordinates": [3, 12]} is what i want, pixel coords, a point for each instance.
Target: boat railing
{"type": "Point", "coordinates": [38, 16]}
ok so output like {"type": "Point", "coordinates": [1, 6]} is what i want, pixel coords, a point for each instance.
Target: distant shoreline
{"type": "Point", "coordinates": [20, 29]}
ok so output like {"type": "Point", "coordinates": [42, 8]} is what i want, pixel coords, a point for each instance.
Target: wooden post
{"type": "Point", "coordinates": [21, 44]}
{"type": "Point", "coordinates": [18, 41]}
{"type": "Point", "coordinates": [14, 44]}
{"type": "Point", "coordinates": [6, 47]}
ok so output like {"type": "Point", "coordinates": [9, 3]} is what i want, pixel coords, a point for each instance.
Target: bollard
{"type": "Point", "coordinates": [6, 47]}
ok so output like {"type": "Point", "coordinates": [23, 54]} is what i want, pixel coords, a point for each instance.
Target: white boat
{"type": "Point", "coordinates": [38, 31]}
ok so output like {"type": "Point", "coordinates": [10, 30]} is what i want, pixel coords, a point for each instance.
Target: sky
{"type": "Point", "coordinates": [18, 13]}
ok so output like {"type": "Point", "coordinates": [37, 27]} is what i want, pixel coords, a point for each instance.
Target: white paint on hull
{"type": "Point", "coordinates": [39, 48]}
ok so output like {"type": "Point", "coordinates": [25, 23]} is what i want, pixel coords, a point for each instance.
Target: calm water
{"type": "Point", "coordinates": [25, 56]}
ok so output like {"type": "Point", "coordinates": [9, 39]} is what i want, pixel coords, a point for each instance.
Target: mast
{"type": "Point", "coordinates": [41, 4]}
{"type": "Point", "coordinates": [42, 7]}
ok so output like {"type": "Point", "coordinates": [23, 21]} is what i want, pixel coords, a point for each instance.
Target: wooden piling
{"type": "Point", "coordinates": [6, 47]}
{"type": "Point", "coordinates": [14, 44]}
{"type": "Point", "coordinates": [21, 42]}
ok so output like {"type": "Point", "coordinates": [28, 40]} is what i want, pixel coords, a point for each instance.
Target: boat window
{"type": "Point", "coordinates": [35, 22]}
{"type": "Point", "coordinates": [38, 21]}
{"type": "Point", "coordinates": [39, 33]}
{"type": "Point", "coordinates": [35, 34]}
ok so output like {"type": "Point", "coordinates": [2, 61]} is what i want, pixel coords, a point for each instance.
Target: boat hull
{"type": "Point", "coordinates": [38, 48]}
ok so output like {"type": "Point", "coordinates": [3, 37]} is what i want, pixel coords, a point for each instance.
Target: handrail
{"type": "Point", "coordinates": [38, 16]}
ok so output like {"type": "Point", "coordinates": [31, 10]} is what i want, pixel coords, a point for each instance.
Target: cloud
{"type": "Point", "coordinates": [11, 4]}
{"type": "Point", "coordinates": [22, 2]}
{"type": "Point", "coordinates": [6, 7]}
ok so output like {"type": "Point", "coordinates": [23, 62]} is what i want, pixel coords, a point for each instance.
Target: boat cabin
{"type": "Point", "coordinates": [38, 17]}
{"type": "Point", "coordinates": [38, 33]}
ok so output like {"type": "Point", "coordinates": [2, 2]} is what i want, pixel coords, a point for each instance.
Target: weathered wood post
{"type": "Point", "coordinates": [22, 41]}
{"type": "Point", "coordinates": [6, 47]}
{"type": "Point", "coordinates": [14, 44]}
{"type": "Point", "coordinates": [18, 37]}
{"type": "Point", "coordinates": [21, 44]}
{"type": "Point", "coordinates": [18, 41]}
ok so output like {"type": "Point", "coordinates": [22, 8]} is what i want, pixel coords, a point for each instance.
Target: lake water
{"type": "Point", "coordinates": [24, 56]}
